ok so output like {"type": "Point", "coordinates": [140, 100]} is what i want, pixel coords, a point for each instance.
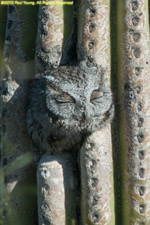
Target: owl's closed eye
{"type": "Point", "coordinates": [64, 98]}
{"type": "Point", "coordinates": [96, 95]}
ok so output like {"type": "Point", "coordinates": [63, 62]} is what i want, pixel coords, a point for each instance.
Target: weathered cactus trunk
{"type": "Point", "coordinates": [133, 69]}
{"type": "Point", "coordinates": [58, 195]}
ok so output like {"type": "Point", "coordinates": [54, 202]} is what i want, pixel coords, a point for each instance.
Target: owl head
{"type": "Point", "coordinates": [78, 98]}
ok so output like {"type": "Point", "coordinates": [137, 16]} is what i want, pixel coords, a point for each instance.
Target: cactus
{"type": "Point", "coordinates": [112, 34]}
{"type": "Point", "coordinates": [133, 91]}
{"type": "Point", "coordinates": [93, 46]}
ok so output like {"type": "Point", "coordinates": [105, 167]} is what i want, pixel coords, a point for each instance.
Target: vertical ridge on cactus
{"type": "Point", "coordinates": [133, 76]}
{"type": "Point", "coordinates": [93, 48]}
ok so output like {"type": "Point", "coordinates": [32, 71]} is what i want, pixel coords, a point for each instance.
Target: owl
{"type": "Point", "coordinates": [67, 104]}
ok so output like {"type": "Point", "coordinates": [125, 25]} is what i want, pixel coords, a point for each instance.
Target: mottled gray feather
{"type": "Point", "coordinates": [66, 104]}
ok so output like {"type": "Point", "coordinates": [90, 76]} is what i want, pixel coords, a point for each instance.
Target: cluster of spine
{"type": "Point", "coordinates": [136, 88]}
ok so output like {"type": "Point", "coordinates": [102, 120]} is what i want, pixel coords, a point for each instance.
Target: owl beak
{"type": "Point", "coordinates": [84, 115]}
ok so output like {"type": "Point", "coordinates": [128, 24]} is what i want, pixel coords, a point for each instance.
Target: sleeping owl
{"type": "Point", "coordinates": [67, 104]}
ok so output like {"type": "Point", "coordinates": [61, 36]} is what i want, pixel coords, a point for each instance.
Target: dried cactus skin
{"type": "Point", "coordinates": [133, 79]}
{"type": "Point", "coordinates": [93, 49]}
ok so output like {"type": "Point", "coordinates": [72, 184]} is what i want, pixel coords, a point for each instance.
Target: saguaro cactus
{"type": "Point", "coordinates": [42, 37]}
